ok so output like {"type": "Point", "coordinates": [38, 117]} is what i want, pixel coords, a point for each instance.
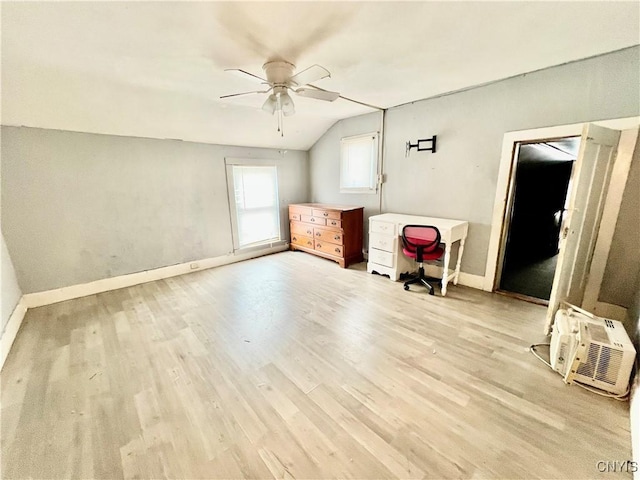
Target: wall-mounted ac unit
{"type": "Point", "coordinates": [591, 350]}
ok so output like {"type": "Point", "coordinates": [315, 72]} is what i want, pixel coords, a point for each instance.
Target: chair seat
{"type": "Point", "coordinates": [435, 255]}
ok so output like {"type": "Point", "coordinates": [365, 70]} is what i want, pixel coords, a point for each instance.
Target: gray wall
{"type": "Point", "coordinates": [325, 165]}
{"type": "Point", "coordinates": [10, 291]}
{"type": "Point", "coordinates": [459, 181]}
{"type": "Point", "coordinates": [80, 207]}
{"type": "Point", "coordinates": [622, 273]}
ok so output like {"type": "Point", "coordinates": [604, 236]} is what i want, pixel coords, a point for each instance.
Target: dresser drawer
{"type": "Point", "coordinates": [330, 236]}
{"type": "Point", "coordinates": [300, 210]}
{"type": "Point", "coordinates": [314, 220]}
{"type": "Point", "coordinates": [388, 243]}
{"type": "Point", "coordinates": [332, 222]}
{"type": "Point", "coordinates": [302, 240]}
{"type": "Point", "coordinates": [295, 216]}
{"type": "Point", "coordinates": [303, 229]}
{"type": "Point", "coordinates": [382, 227]}
{"type": "Point", "coordinates": [381, 257]}
{"type": "Point", "coordinates": [330, 248]}
{"type": "Point", "coordinates": [326, 214]}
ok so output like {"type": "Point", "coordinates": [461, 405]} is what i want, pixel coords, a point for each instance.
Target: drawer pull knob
{"type": "Point", "coordinates": [309, 232]}
{"type": "Point", "coordinates": [309, 243]}
{"type": "Point", "coordinates": [318, 234]}
{"type": "Point", "coordinates": [313, 219]}
{"type": "Point", "coordinates": [294, 238]}
{"type": "Point", "coordinates": [325, 214]}
{"type": "Point", "coordinates": [337, 237]}
{"type": "Point", "coordinates": [337, 250]}
{"type": "Point", "coordinates": [318, 245]}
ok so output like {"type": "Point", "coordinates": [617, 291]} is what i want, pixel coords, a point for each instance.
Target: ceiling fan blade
{"type": "Point", "coordinates": [311, 74]}
{"type": "Point", "coordinates": [246, 75]}
{"type": "Point", "coordinates": [318, 94]}
{"type": "Point", "coordinates": [244, 93]}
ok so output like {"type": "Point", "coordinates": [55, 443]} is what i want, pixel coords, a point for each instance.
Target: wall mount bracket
{"type": "Point", "coordinates": [422, 145]}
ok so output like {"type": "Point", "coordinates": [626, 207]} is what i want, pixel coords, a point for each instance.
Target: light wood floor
{"type": "Point", "coordinates": [289, 367]}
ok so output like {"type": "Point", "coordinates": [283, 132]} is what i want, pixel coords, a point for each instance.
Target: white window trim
{"type": "Point", "coordinates": [375, 164]}
{"type": "Point", "coordinates": [233, 214]}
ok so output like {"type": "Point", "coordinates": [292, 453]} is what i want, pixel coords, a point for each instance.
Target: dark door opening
{"type": "Point", "coordinates": [542, 175]}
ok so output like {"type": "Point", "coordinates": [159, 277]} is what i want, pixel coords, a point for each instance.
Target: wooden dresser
{"type": "Point", "coordinates": [329, 231]}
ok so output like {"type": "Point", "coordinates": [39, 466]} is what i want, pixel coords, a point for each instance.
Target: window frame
{"type": "Point", "coordinates": [372, 187]}
{"type": "Point", "coordinates": [230, 163]}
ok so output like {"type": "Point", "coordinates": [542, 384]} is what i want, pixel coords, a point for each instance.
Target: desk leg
{"type": "Point", "coordinates": [460, 250]}
{"type": "Point", "coordinates": [445, 268]}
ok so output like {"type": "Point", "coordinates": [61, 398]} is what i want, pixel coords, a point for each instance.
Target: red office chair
{"type": "Point", "coordinates": [421, 242]}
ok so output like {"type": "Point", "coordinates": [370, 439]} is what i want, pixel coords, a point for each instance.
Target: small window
{"type": "Point", "coordinates": [255, 195]}
{"type": "Point", "coordinates": [359, 164]}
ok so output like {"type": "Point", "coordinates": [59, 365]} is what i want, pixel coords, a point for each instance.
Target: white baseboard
{"type": "Point", "coordinates": [471, 280]}
{"type": "Point", "coordinates": [607, 310]}
{"type": "Point", "coordinates": [11, 330]}
{"type": "Point", "coordinates": [39, 299]}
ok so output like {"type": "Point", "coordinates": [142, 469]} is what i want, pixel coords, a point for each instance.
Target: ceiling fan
{"type": "Point", "coordinates": [280, 80]}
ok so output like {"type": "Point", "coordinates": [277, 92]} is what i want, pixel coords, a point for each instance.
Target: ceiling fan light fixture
{"type": "Point", "coordinates": [286, 104]}
{"type": "Point", "coordinates": [270, 105]}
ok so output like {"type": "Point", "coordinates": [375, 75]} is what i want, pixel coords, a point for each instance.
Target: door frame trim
{"type": "Point", "coordinates": [506, 172]}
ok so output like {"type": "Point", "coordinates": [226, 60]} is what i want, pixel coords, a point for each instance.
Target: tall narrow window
{"type": "Point", "coordinates": [359, 164]}
{"type": "Point", "coordinates": [255, 191]}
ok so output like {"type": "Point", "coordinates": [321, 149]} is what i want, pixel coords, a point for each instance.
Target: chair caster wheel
{"type": "Point", "coordinates": [406, 287]}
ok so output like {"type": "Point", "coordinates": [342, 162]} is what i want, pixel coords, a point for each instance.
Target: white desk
{"type": "Point", "coordinates": [385, 246]}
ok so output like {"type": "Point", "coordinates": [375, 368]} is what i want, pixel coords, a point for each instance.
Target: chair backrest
{"type": "Point", "coordinates": [421, 237]}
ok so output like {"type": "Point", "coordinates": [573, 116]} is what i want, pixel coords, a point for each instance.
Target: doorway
{"type": "Point", "coordinates": [538, 196]}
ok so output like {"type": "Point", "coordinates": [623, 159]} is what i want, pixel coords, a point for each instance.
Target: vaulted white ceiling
{"type": "Point", "coordinates": [157, 69]}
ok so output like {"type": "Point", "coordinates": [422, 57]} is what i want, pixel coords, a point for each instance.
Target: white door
{"type": "Point", "coordinates": [587, 193]}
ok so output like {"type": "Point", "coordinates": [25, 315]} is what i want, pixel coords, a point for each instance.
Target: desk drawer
{"type": "Point", "coordinates": [381, 257]}
{"type": "Point", "coordinates": [376, 226]}
{"type": "Point", "coordinates": [388, 243]}
{"type": "Point", "coordinates": [314, 220]}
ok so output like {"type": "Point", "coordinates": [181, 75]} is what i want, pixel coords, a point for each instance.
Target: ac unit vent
{"type": "Point", "coordinates": [588, 367]}
{"type": "Point", "coordinates": [609, 365]}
